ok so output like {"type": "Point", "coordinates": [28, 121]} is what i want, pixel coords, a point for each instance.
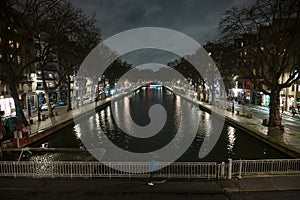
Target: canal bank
{"type": "Point", "coordinates": [252, 126]}
{"type": "Point", "coordinates": [42, 129]}
{"type": "Point", "coordinates": [48, 126]}
{"type": "Point", "coordinates": [286, 141]}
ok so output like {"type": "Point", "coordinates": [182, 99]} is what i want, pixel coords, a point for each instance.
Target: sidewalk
{"type": "Point", "coordinates": [286, 113]}
{"type": "Point", "coordinates": [62, 188]}
{"type": "Point", "coordinates": [63, 118]}
{"type": "Point", "coordinates": [287, 140]}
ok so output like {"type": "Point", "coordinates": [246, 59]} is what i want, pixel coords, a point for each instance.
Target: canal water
{"type": "Point", "coordinates": [233, 143]}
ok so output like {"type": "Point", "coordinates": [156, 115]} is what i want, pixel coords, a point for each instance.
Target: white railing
{"type": "Point", "coordinates": [238, 168]}
{"type": "Point", "coordinates": [265, 167]}
{"type": "Point", "coordinates": [97, 169]}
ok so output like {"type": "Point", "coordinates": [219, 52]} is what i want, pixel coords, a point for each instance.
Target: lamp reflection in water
{"type": "Point", "coordinates": [231, 139]}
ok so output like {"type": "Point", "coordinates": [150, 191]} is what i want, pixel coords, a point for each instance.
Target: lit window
{"type": "Point", "coordinates": [19, 59]}
{"type": "Point", "coordinates": [11, 43]}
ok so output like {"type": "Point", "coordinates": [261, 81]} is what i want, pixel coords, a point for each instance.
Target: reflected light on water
{"type": "Point", "coordinates": [116, 111]}
{"type": "Point", "coordinates": [102, 114]}
{"type": "Point", "coordinates": [126, 114]}
{"type": "Point", "coordinates": [77, 130]}
{"type": "Point", "coordinates": [178, 104]}
{"type": "Point", "coordinates": [231, 138]}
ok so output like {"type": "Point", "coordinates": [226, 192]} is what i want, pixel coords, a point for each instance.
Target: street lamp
{"type": "Point", "coordinates": [38, 107]}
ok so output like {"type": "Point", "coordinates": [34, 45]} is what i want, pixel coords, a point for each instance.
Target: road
{"type": "Point", "coordinates": [260, 112]}
{"type": "Point", "coordinates": [34, 113]}
{"type": "Point", "coordinates": [102, 188]}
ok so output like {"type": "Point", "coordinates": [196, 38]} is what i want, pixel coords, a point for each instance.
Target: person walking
{"type": "Point", "coordinates": [293, 110]}
{"type": "Point", "coordinates": [154, 166]}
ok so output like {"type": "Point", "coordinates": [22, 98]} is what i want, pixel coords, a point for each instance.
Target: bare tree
{"type": "Point", "coordinates": [73, 47]}
{"type": "Point", "coordinates": [16, 46]}
{"type": "Point", "coordinates": [65, 36]}
{"type": "Point", "coordinates": [268, 32]}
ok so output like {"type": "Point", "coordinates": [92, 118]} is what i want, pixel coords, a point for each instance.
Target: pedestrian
{"type": "Point", "coordinates": [293, 110]}
{"type": "Point", "coordinates": [154, 166]}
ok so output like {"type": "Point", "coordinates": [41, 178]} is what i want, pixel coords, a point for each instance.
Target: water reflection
{"type": "Point", "coordinates": [77, 131]}
{"type": "Point", "coordinates": [232, 143]}
{"type": "Point", "coordinates": [231, 139]}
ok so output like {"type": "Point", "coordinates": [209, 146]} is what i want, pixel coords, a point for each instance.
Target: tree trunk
{"type": "Point", "coordinates": [19, 110]}
{"type": "Point", "coordinates": [274, 115]}
{"type": "Point", "coordinates": [50, 110]}
{"type": "Point", "coordinates": [69, 99]}
{"type": "Point", "coordinates": [213, 95]}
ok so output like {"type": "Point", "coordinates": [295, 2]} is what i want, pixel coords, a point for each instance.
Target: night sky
{"type": "Point", "coordinates": [195, 18]}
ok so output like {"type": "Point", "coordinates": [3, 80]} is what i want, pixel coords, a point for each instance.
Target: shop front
{"type": "Point", "coordinates": [7, 105]}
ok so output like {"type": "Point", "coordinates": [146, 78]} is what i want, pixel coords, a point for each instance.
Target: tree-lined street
{"type": "Point", "coordinates": [288, 120]}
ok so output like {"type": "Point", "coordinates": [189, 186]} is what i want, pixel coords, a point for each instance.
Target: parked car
{"type": "Point", "coordinates": [45, 106]}
{"type": "Point", "coordinates": [62, 102]}
{"type": "Point", "coordinates": [86, 97]}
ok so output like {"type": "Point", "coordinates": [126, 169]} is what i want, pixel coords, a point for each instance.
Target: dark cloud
{"type": "Point", "coordinates": [196, 18]}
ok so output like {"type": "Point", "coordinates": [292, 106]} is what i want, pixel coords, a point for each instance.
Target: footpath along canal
{"type": "Point", "coordinates": [238, 140]}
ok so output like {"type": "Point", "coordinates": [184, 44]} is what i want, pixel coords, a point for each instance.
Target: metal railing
{"type": "Point", "coordinates": [186, 170]}
{"type": "Point", "coordinates": [97, 169]}
{"type": "Point", "coordinates": [265, 167]}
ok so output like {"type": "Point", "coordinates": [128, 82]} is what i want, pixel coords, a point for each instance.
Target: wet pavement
{"type": "Point", "coordinates": [286, 187]}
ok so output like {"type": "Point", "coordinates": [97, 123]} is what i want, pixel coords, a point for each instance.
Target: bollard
{"type": "Point", "coordinates": [229, 168]}
{"type": "Point", "coordinates": [223, 169]}
{"type": "Point", "coordinates": [265, 122]}
{"type": "Point", "coordinates": [240, 169]}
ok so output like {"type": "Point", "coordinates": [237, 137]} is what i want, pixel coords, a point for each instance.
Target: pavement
{"type": "Point", "coordinates": [62, 116]}
{"type": "Point", "coordinates": [287, 140]}
{"type": "Point", "coordinates": [286, 187]}
{"type": "Point", "coordinates": [285, 113]}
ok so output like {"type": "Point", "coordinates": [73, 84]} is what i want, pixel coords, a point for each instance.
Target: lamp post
{"type": "Point", "coordinates": [38, 107]}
